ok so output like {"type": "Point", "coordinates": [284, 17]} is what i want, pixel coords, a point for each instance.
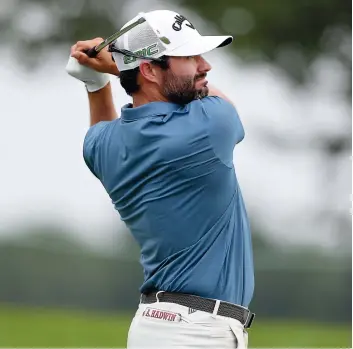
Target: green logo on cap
{"type": "Point", "coordinates": [146, 51]}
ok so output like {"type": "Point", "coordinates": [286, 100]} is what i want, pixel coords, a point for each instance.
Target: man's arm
{"type": "Point", "coordinates": [101, 105]}
{"type": "Point", "coordinates": [100, 98]}
{"type": "Point", "coordinates": [213, 91]}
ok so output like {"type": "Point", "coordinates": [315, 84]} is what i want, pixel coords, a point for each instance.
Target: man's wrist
{"type": "Point", "coordinates": [95, 91]}
{"type": "Point", "coordinates": [114, 70]}
{"type": "Point", "coordinates": [98, 83]}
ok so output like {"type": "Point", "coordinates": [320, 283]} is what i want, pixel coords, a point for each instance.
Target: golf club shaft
{"type": "Point", "coordinates": [95, 50]}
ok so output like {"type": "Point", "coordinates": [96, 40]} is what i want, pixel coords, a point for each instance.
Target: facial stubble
{"type": "Point", "coordinates": [182, 90]}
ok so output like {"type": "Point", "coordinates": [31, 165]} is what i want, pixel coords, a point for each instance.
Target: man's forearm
{"type": "Point", "coordinates": [101, 105]}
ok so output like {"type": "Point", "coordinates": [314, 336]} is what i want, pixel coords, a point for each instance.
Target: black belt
{"type": "Point", "coordinates": [244, 315]}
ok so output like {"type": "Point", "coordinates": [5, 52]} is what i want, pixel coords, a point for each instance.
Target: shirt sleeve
{"type": "Point", "coordinates": [91, 146]}
{"type": "Point", "coordinates": [225, 128]}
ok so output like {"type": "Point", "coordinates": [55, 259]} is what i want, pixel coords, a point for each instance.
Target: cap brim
{"type": "Point", "coordinates": [200, 46]}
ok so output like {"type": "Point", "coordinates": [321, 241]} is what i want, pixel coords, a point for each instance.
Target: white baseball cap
{"type": "Point", "coordinates": [163, 33]}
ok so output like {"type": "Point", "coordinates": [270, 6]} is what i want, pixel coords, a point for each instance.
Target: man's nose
{"type": "Point", "coordinates": [204, 66]}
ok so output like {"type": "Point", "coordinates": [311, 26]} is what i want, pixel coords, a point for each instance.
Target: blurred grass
{"type": "Point", "coordinates": [42, 327]}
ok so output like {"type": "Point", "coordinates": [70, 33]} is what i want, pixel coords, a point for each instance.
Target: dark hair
{"type": "Point", "coordinates": [128, 78]}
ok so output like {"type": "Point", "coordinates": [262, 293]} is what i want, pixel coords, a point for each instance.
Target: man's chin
{"type": "Point", "coordinates": [203, 92]}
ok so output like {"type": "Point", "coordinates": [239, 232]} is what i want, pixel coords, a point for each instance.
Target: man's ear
{"type": "Point", "coordinates": [149, 71]}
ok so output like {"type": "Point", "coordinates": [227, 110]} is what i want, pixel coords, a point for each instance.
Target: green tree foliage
{"type": "Point", "coordinates": [292, 284]}
{"type": "Point", "coordinates": [287, 33]}
{"type": "Point", "coordinates": [267, 29]}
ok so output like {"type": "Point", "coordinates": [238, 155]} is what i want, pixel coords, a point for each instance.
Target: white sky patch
{"type": "Point", "coordinates": [35, 21]}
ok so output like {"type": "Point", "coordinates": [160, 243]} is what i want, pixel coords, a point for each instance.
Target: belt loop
{"type": "Point", "coordinates": [215, 309]}
{"type": "Point", "coordinates": [157, 294]}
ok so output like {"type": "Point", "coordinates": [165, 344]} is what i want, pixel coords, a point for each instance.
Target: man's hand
{"type": "Point", "coordinates": [94, 72]}
{"type": "Point", "coordinates": [102, 63]}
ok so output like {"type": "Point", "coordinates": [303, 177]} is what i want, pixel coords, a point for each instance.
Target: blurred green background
{"type": "Point", "coordinates": [69, 270]}
{"type": "Point", "coordinates": [58, 293]}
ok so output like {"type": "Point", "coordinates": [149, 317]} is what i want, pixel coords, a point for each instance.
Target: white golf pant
{"type": "Point", "coordinates": [167, 325]}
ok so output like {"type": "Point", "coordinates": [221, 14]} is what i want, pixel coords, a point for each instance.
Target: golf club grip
{"type": "Point", "coordinates": [91, 52]}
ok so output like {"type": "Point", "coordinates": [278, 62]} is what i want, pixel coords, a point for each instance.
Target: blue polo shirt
{"type": "Point", "coordinates": [169, 172]}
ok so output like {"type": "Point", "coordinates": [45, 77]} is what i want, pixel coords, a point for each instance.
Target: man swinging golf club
{"type": "Point", "coordinates": [167, 165]}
